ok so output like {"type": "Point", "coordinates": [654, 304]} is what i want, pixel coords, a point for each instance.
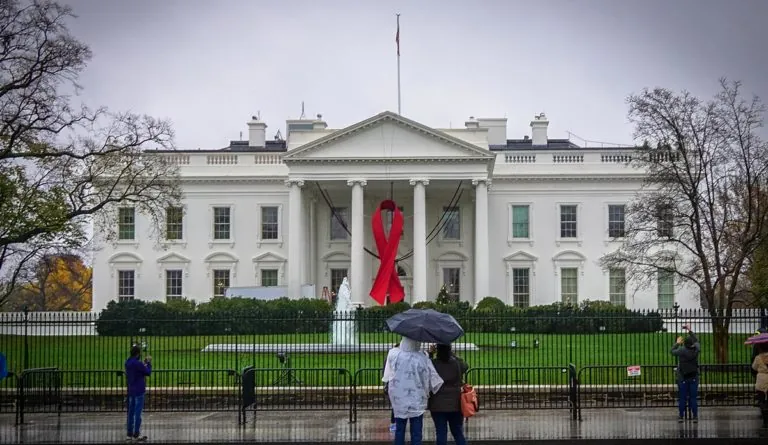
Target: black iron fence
{"type": "Point", "coordinates": [50, 390]}
{"type": "Point", "coordinates": [73, 362]}
{"type": "Point", "coordinates": [359, 340]}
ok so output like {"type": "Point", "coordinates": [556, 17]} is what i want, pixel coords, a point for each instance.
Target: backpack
{"type": "Point", "coordinates": [3, 367]}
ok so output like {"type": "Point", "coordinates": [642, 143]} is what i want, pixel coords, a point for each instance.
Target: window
{"type": "Point", "coordinates": [338, 230]}
{"type": "Point", "coordinates": [568, 215]}
{"type": "Point", "coordinates": [337, 277]}
{"type": "Point", "coordinates": [569, 285]}
{"type": "Point", "coordinates": [220, 282]}
{"type": "Point", "coordinates": [389, 218]}
{"type": "Point", "coordinates": [617, 287]}
{"type": "Point", "coordinates": [616, 221]}
{"type": "Point", "coordinates": [126, 222]}
{"type": "Point", "coordinates": [666, 221]}
{"type": "Point", "coordinates": [269, 223]}
{"type": "Point", "coordinates": [666, 295]}
{"type": "Point", "coordinates": [173, 284]}
{"type": "Point", "coordinates": [452, 221]}
{"type": "Point", "coordinates": [452, 282]}
{"type": "Point", "coordinates": [521, 221]}
{"type": "Point", "coordinates": [222, 223]}
{"type": "Point", "coordinates": [126, 285]}
{"type": "Point", "coordinates": [521, 287]}
{"type": "Point", "coordinates": [174, 227]}
{"type": "Point", "coordinates": [269, 277]}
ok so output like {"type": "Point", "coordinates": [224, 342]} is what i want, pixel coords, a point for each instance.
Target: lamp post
{"type": "Point", "coordinates": [676, 307]}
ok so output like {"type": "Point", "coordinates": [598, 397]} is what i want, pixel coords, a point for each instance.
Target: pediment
{"type": "Point", "coordinates": [452, 256]}
{"type": "Point", "coordinates": [125, 257]}
{"type": "Point", "coordinates": [173, 257]}
{"type": "Point", "coordinates": [388, 136]}
{"type": "Point", "coordinates": [336, 256]}
{"type": "Point", "coordinates": [269, 257]}
{"type": "Point", "coordinates": [569, 255]}
{"type": "Point", "coordinates": [521, 256]}
{"type": "Point", "coordinates": [220, 257]}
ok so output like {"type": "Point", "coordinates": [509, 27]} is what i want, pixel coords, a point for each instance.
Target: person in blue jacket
{"type": "Point", "coordinates": [136, 372]}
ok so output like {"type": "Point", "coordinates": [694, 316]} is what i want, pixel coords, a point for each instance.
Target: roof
{"type": "Point", "coordinates": [278, 146]}
{"type": "Point", "coordinates": [388, 116]}
{"type": "Point", "coordinates": [552, 144]}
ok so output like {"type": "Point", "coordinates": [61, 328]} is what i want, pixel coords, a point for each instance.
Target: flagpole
{"type": "Point", "coordinates": [398, 64]}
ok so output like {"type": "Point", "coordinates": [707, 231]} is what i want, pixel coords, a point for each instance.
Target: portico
{"type": "Point", "coordinates": [291, 216]}
{"type": "Point", "coordinates": [363, 164]}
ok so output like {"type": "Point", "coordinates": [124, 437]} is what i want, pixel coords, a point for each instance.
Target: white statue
{"type": "Point", "coordinates": [344, 297]}
{"type": "Point", "coordinates": [344, 327]}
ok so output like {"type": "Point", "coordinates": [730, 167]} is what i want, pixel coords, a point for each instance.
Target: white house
{"type": "Point", "coordinates": [525, 220]}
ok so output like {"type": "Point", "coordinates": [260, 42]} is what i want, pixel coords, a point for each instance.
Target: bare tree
{"type": "Point", "coordinates": [703, 209]}
{"type": "Point", "coordinates": [64, 167]}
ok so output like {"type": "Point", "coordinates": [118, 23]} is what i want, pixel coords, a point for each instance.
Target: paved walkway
{"type": "Point", "coordinates": [721, 426]}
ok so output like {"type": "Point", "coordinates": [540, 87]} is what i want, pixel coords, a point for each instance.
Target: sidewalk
{"type": "Point", "coordinates": [721, 426]}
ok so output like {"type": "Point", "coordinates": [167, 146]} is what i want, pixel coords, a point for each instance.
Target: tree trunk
{"type": "Point", "coordinates": [720, 338]}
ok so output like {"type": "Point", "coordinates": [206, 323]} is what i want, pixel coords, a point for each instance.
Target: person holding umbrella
{"type": "Point", "coordinates": [687, 352]}
{"type": "Point", "coordinates": [409, 373]}
{"type": "Point", "coordinates": [755, 349]}
{"type": "Point", "coordinates": [410, 378]}
{"type": "Point", "coordinates": [760, 367]}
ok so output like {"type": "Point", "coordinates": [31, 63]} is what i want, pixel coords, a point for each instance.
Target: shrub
{"type": "Point", "coordinates": [245, 316]}
{"type": "Point", "coordinates": [374, 319]}
{"type": "Point", "coordinates": [490, 304]}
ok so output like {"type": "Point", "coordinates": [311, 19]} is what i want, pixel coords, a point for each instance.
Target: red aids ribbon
{"type": "Point", "coordinates": [387, 281]}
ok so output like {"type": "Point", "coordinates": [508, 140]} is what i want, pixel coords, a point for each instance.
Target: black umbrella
{"type": "Point", "coordinates": [426, 325]}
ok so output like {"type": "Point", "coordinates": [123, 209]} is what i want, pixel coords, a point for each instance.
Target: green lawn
{"type": "Point", "coordinates": [171, 354]}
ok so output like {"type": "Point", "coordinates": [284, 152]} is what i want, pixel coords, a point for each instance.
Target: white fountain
{"type": "Point", "coordinates": [344, 326]}
{"type": "Point", "coordinates": [343, 335]}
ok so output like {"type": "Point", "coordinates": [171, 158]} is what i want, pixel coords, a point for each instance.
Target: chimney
{"type": "Point", "coordinates": [319, 124]}
{"type": "Point", "coordinates": [497, 130]}
{"type": "Point", "coordinates": [472, 123]}
{"type": "Point", "coordinates": [539, 130]}
{"type": "Point", "coordinates": [257, 132]}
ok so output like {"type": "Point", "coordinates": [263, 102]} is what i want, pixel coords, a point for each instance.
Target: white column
{"type": "Point", "coordinates": [482, 253]}
{"type": "Point", "coordinates": [295, 241]}
{"type": "Point", "coordinates": [357, 280]}
{"type": "Point", "coordinates": [312, 244]}
{"type": "Point", "coordinates": [419, 239]}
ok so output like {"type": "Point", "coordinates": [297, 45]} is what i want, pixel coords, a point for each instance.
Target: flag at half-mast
{"type": "Point", "coordinates": [397, 37]}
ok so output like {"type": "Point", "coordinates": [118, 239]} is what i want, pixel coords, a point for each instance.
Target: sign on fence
{"type": "Point", "coordinates": [633, 371]}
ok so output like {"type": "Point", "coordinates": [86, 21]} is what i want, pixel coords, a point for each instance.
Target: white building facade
{"type": "Point", "coordinates": [524, 220]}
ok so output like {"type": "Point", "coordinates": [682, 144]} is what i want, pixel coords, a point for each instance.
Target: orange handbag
{"type": "Point", "coordinates": [469, 404]}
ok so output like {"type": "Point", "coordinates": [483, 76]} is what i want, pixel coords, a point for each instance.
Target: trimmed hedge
{"type": "Point", "coordinates": [220, 316]}
{"type": "Point", "coordinates": [246, 316]}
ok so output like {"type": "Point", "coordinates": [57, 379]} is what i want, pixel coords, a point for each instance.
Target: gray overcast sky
{"type": "Point", "coordinates": [210, 65]}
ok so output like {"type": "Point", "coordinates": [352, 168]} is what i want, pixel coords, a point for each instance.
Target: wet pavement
{"type": "Point", "coordinates": [620, 426]}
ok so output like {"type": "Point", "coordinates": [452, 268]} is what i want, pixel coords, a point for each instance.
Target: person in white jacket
{"type": "Point", "coordinates": [410, 378]}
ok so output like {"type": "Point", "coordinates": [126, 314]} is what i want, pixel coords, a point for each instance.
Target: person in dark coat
{"type": "Point", "coordinates": [687, 352]}
{"type": "Point", "coordinates": [445, 405]}
{"type": "Point", "coordinates": [136, 373]}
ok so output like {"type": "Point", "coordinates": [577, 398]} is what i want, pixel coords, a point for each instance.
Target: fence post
{"type": "Point", "coordinates": [20, 399]}
{"type": "Point", "coordinates": [573, 383]}
{"type": "Point", "coordinates": [232, 330]}
{"type": "Point", "coordinates": [130, 329]}
{"type": "Point", "coordinates": [26, 337]}
{"type": "Point", "coordinates": [247, 393]}
{"type": "Point", "coordinates": [359, 317]}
